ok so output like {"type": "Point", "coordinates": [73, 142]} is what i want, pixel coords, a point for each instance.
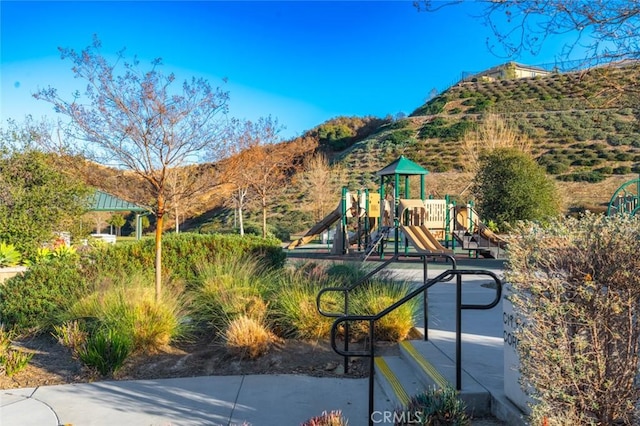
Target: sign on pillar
{"type": "Point", "coordinates": [512, 321]}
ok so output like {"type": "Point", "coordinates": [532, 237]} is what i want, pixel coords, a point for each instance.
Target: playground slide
{"type": "Point", "coordinates": [488, 234]}
{"type": "Point", "coordinates": [318, 228]}
{"type": "Point", "coordinates": [462, 223]}
{"type": "Point", "coordinates": [422, 239]}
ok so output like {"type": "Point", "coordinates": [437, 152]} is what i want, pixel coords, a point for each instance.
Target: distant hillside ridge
{"type": "Point", "coordinates": [583, 125]}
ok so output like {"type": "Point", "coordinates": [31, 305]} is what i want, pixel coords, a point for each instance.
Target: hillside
{"type": "Point", "coordinates": [583, 128]}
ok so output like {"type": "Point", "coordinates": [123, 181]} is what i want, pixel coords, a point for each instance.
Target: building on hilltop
{"type": "Point", "coordinates": [508, 71]}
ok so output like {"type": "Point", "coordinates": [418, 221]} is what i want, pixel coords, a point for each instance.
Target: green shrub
{"type": "Point", "coordinates": [434, 407]}
{"type": "Point", "coordinates": [38, 298]}
{"type": "Point", "coordinates": [9, 256]}
{"type": "Point", "coordinates": [182, 253]}
{"type": "Point", "coordinates": [556, 168]}
{"type": "Point", "coordinates": [106, 350]}
{"type": "Point", "coordinates": [622, 170]}
{"type": "Point", "coordinates": [434, 106]}
{"type": "Point", "coordinates": [511, 186]}
{"type": "Point", "coordinates": [591, 177]}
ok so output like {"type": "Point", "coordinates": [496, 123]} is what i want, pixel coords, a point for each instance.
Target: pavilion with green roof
{"type": "Point", "coordinates": [103, 202]}
{"type": "Point", "coordinates": [400, 168]}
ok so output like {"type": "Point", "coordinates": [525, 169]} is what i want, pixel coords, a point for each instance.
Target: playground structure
{"type": "Point", "coordinates": [625, 199]}
{"type": "Point", "coordinates": [430, 226]}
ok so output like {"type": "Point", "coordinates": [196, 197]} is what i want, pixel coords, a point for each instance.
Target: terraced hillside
{"type": "Point", "coordinates": [583, 128]}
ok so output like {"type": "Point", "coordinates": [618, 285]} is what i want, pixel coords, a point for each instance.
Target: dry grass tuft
{"type": "Point", "coordinates": [248, 337]}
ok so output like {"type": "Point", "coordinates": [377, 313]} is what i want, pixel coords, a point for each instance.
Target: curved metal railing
{"type": "Point", "coordinates": [371, 319]}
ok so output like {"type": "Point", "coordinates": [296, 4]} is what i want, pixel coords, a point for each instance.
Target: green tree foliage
{"type": "Point", "coordinates": [511, 186]}
{"type": "Point", "coordinates": [117, 221]}
{"type": "Point", "coordinates": [342, 132]}
{"type": "Point", "coordinates": [36, 199]}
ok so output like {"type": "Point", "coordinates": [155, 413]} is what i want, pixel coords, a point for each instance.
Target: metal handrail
{"type": "Point", "coordinates": [370, 353]}
{"type": "Point", "coordinates": [346, 289]}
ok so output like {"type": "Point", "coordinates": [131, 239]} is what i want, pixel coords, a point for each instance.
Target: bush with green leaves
{"type": "Point", "coordinates": [9, 256]}
{"type": "Point", "coordinates": [38, 298]}
{"type": "Point", "coordinates": [575, 283]}
{"type": "Point", "coordinates": [434, 407]}
{"type": "Point", "coordinates": [183, 253]}
{"type": "Point", "coordinates": [36, 198]}
{"type": "Point", "coordinates": [106, 350]}
{"type": "Point", "coordinates": [510, 186]}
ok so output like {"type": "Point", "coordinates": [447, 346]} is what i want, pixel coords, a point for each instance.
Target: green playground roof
{"type": "Point", "coordinates": [103, 202]}
{"type": "Point", "coordinates": [403, 166]}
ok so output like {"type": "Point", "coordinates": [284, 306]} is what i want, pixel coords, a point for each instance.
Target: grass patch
{"type": "Point", "coordinates": [228, 289]}
{"type": "Point", "coordinates": [130, 309]}
{"type": "Point", "coordinates": [379, 295]}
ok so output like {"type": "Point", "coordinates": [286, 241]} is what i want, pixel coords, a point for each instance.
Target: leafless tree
{"type": "Point", "coordinates": [143, 121]}
{"type": "Point", "coordinates": [321, 182]}
{"type": "Point", "coordinates": [606, 30]}
{"type": "Point", "coordinates": [261, 166]}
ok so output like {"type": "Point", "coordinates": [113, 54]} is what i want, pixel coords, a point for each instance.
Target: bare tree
{"type": "Point", "coordinates": [492, 133]}
{"type": "Point", "coordinates": [263, 167]}
{"type": "Point", "coordinates": [606, 30]}
{"type": "Point", "coordinates": [184, 184]}
{"type": "Point", "coordinates": [140, 120]}
{"type": "Point", "coordinates": [321, 182]}
{"type": "Point", "coordinates": [242, 138]}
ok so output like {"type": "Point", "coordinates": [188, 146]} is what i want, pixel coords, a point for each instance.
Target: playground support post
{"type": "Point", "coordinates": [343, 220]}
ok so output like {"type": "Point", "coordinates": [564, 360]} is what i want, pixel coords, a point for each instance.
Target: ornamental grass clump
{"type": "Point", "coordinates": [576, 284]}
{"type": "Point", "coordinates": [12, 360]}
{"type": "Point", "coordinates": [295, 312]}
{"type": "Point", "coordinates": [130, 309]}
{"type": "Point", "coordinates": [433, 407]}
{"type": "Point", "coordinates": [377, 295]}
{"type": "Point", "coordinates": [248, 338]}
{"type": "Point", "coordinates": [227, 289]}
{"type": "Point", "coordinates": [332, 418]}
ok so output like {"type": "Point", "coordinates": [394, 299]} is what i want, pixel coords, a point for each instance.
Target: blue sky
{"type": "Point", "coordinates": [303, 62]}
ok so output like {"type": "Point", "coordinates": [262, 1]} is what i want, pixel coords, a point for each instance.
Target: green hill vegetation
{"type": "Point", "coordinates": [582, 127]}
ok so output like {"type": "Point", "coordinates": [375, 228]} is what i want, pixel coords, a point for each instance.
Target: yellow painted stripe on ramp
{"type": "Point", "coordinates": [425, 365]}
{"type": "Point", "coordinates": [398, 389]}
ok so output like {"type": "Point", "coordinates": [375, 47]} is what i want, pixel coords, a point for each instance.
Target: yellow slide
{"type": "Point", "coordinates": [462, 223]}
{"type": "Point", "coordinates": [318, 228]}
{"type": "Point", "coordinates": [423, 240]}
